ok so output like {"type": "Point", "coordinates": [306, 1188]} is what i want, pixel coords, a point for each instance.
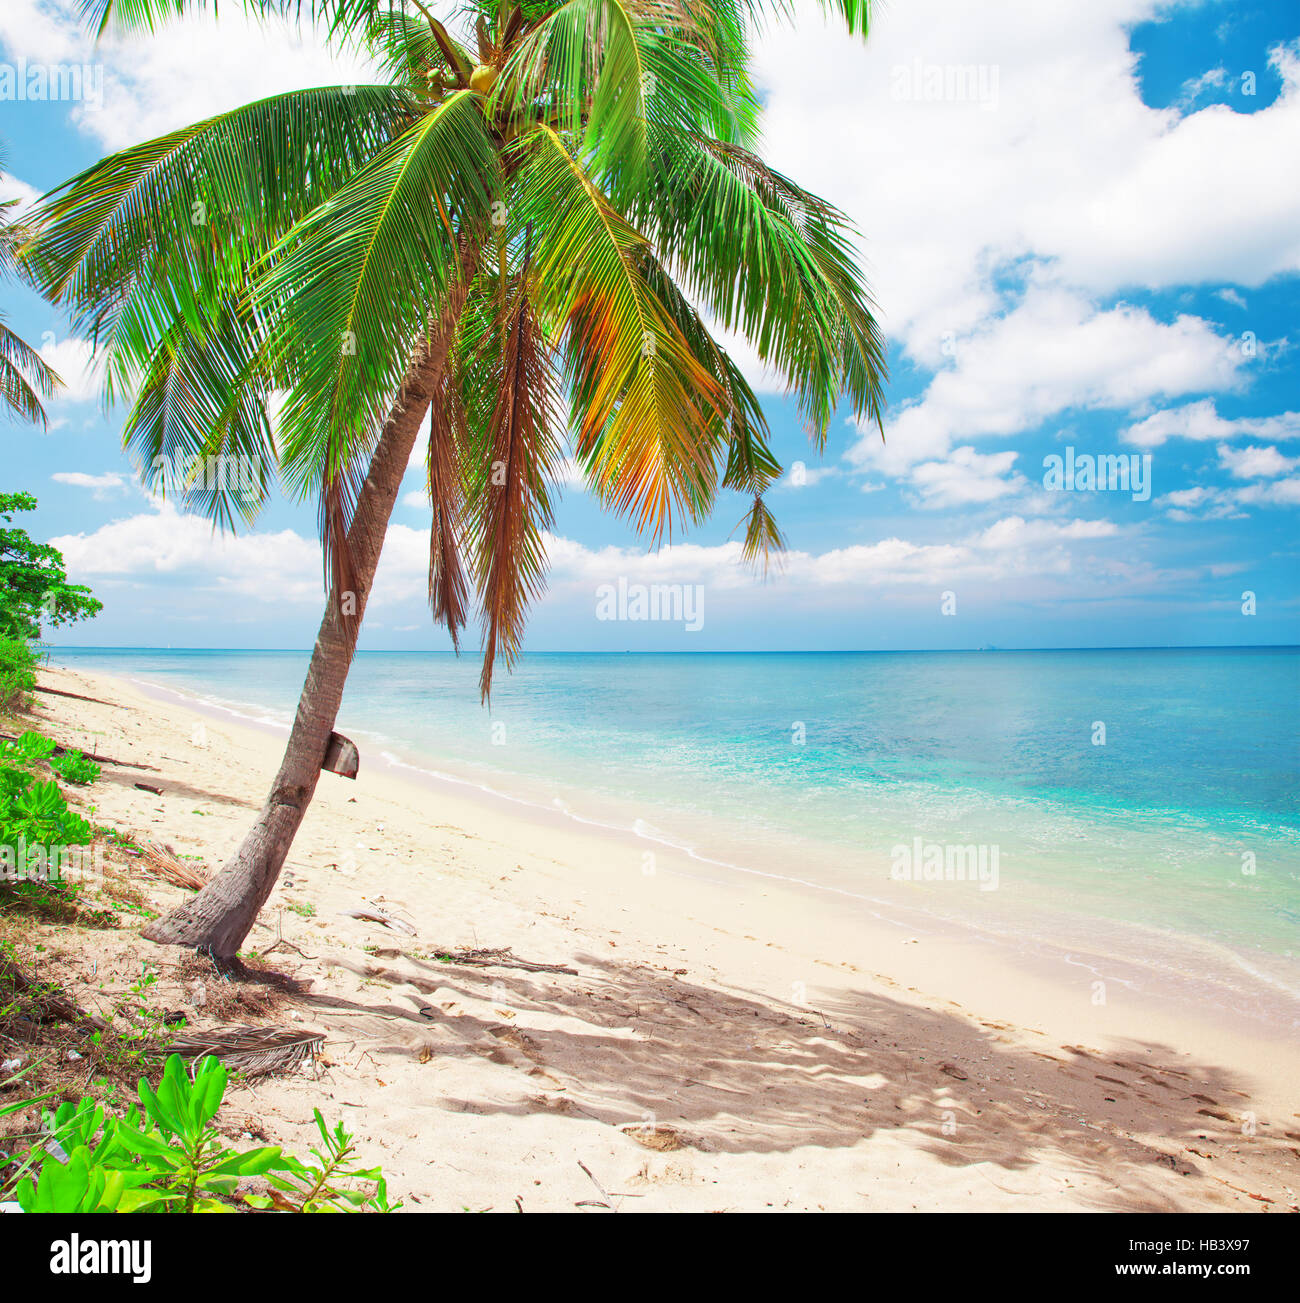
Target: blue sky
{"type": "Point", "coordinates": [1082, 228]}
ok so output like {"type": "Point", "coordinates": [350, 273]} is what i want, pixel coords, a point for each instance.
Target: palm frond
{"type": "Point", "coordinates": [339, 324]}
{"type": "Point", "coordinates": [763, 541]}
{"type": "Point", "coordinates": [199, 425]}
{"type": "Point", "coordinates": [620, 75]}
{"type": "Point", "coordinates": [510, 460]}
{"type": "Point", "coordinates": [171, 225]}
{"type": "Point", "coordinates": [643, 404]}
{"type": "Point", "coordinates": [25, 378]}
{"type": "Point", "coordinates": [448, 587]}
{"type": "Point", "coordinates": [254, 1051]}
{"type": "Point", "coordinates": [776, 263]}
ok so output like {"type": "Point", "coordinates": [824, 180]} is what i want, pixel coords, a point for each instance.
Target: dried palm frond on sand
{"type": "Point", "coordinates": [164, 862]}
{"type": "Point", "coordinates": [254, 1051]}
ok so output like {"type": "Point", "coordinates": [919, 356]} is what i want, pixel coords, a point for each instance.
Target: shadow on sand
{"type": "Point", "coordinates": [733, 1071]}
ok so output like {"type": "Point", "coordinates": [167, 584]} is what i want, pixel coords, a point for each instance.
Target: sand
{"type": "Point", "coordinates": [719, 1045]}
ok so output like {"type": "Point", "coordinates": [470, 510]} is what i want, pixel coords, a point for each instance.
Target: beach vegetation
{"type": "Point", "coordinates": [41, 836]}
{"type": "Point", "coordinates": [17, 673]}
{"type": "Point", "coordinates": [73, 767]}
{"type": "Point", "coordinates": [165, 1154]}
{"type": "Point", "coordinates": [34, 588]}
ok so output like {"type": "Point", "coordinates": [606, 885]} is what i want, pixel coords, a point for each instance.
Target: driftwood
{"type": "Point", "coordinates": [76, 696]}
{"type": "Point", "coordinates": [499, 959]}
{"type": "Point", "coordinates": [341, 756]}
{"type": "Point", "coordinates": [45, 1005]}
{"type": "Point", "coordinates": [148, 787]}
{"type": "Point", "coordinates": [374, 915]}
{"type": "Point", "coordinates": [254, 1051]}
{"type": "Point", "coordinates": [91, 755]}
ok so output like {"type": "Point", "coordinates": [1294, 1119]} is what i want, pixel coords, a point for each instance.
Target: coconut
{"type": "Point", "coordinates": [483, 78]}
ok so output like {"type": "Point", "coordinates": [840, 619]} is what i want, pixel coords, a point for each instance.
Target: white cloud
{"type": "Point", "coordinates": [1193, 88]}
{"type": "Point", "coordinates": [1052, 353]}
{"type": "Point", "coordinates": [184, 72]}
{"type": "Point", "coordinates": [417, 499]}
{"type": "Point", "coordinates": [1014, 532]}
{"type": "Point", "coordinates": [166, 545]}
{"type": "Point", "coordinates": [1255, 462]}
{"type": "Point", "coordinates": [801, 476]}
{"type": "Point", "coordinates": [74, 361]}
{"type": "Point", "coordinates": [13, 188]}
{"type": "Point", "coordinates": [1066, 167]}
{"type": "Point", "coordinates": [570, 474]}
{"type": "Point", "coordinates": [967, 477]}
{"type": "Point", "coordinates": [1203, 502]}
{"type": "Point", "coordinates": [1200, 421]}
{"type": "Point", "coordinates": [102, 486]}
{"type": "Point", "coordinates": [1013, 547]}
{"type": "Point", "coordinates": [1280, 493]}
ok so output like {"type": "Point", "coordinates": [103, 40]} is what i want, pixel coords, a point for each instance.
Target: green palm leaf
{"type": "Point", "coordinates": [774, 262]}
{"type": "Point", "coordinates": [199, 425]}
{"type": "Point", "coordinates": [25, 378]}
{"type": "Point", "coordinates": [510, 461]}
{"type": "Point", "coordinates": [644, 405]}
{"type": "Point", "coordinates": [352, 287]}
{"type": "Point", "coordinates": [176, 221]}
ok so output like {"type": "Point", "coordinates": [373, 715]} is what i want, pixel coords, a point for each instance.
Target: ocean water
{"type": "Point", "coordinates": [1139, 805]}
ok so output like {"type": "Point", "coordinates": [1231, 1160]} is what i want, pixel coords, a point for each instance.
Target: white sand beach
{"type": "Point", "coordinates": [714, 1046]}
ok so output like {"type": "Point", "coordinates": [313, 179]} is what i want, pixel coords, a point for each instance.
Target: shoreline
{"type": "Point", "coordinates": [1030, 948]}
{"type": "Point", "coordinates": [765, 1030]}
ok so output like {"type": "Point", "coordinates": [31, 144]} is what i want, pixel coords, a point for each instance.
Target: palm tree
{"type": "Point", "coordinates": [520, 217]}
{"type": "Point", "coordinates": [25, 377]}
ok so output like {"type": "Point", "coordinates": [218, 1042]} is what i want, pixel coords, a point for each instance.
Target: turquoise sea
{"type": "Point", "coordinates": [1142, 804]}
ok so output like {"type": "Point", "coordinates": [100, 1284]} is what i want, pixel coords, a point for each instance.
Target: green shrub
{"type": "Point", "coordinates": [34, 588]}
{"type": "Point", "coordinates": [36, 825]}
{"type": "Point", "coordinates": [30, 749]}
{"type": "Point", "coordinates": [73, 767]}
{"type": "Point", "coordinates": [166, 1156]}
{"type": "Point", "coordinates": [17, 673]}
{"type": "Point", "coordinates": [37, 812]}
{"type": "Point", "coordinates": [27, 749]}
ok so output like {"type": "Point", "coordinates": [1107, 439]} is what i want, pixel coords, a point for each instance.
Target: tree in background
{"type": "Point", "coordinates": [34, 591]}
{"type": "Point", "coordinates": [34, 588]}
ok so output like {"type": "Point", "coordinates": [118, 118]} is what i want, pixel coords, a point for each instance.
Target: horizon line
{"type": "Point", "coordinates": [763, 651]}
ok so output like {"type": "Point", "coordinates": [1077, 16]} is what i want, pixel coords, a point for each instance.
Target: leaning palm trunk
{"type": "Point", "coordinates": [218, 919]}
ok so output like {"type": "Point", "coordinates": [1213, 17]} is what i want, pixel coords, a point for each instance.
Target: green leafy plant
{"type": "Point", "coordinates": [34, 588]}
{"type": "Point", "coordinates": [17, 672]}
{"type": "Point", "coordinates": [35, 817]}
{"type": "Point", "coordinates": [166, 1155]}
{"type": "Point", "coordinates": [27, 749]}
{"type": "Point", "coordinates": [73, 767]}
{"type": "Point", "coordinates": [30, 749]}
{"type": "Point", "coordinates": [302, 1187]}
{"type": "Point", "coordinates": [38, 812]}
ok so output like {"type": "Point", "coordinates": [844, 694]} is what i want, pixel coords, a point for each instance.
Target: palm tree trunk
{"type": "Point", "coordinates": [218, 919]}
